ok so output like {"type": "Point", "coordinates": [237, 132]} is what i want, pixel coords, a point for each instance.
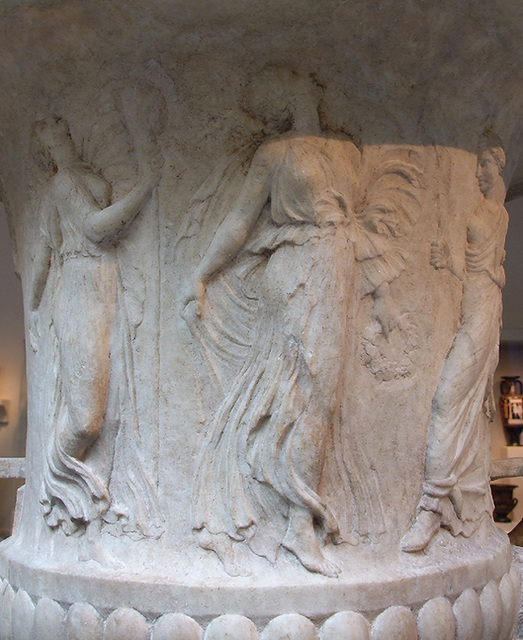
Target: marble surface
{"type": "Point", "coordinates": [261, 251]}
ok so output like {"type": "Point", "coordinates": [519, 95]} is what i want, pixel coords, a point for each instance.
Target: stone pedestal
{"type": "Point", "coordinates": [261, 247]}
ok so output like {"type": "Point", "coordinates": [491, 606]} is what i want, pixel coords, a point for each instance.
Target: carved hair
{"type": "Point", "coordinates": [43, 152]}
{"type": "Point", "coordinates": [490, 141]}
{"type": "Point", "coordinates": [274, 92]}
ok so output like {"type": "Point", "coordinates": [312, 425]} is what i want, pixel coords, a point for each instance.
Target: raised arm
{"type": "Point", "coordinates": [105, 225]}
{"type": "Point", "coordinates": [441, 258]}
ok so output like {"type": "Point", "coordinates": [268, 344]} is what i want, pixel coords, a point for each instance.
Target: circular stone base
{"type": "Point", "coordinates": [456, 585]}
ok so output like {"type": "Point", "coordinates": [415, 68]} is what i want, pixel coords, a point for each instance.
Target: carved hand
{"type": "Point", "coordinates": [439, 255]}
{"type": "Point", "coordinates": [385, 311]}
{"type": "Point", "coordinates": [192, 301]}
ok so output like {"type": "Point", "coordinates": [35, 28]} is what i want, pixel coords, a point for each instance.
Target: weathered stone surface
{"type": "Point", "coordinates": [436, 620]}
{"type": "Point", "coordinates": [492, 608]}
{"type": "Point", "coordinates": [510, 600]}
{"type": "Point", "coordinates": [23, 616]}
{"type": "Point", "coordinates": [251, 238]}
{"type": "Point", "coordinates": [231, 627]}
{"type": "Point", "coordinates": [49, 620]}
{"type": "Point", "coordinates": [395, 623]}
{"type": "Point", "coordinates": [345, 624]}
{"type": "Point", "coordinates": [469, 618]}
{"type": "Point", "coordinates": [290, 626]}
{"type": "Point", "coordinates": [83, 622]}
{"type": "Point", "coordinates": [7, 596]}
{"type": "Point", "coordinates": [176, 626]}
{"type": "Point", "coordinates": [126, 624]}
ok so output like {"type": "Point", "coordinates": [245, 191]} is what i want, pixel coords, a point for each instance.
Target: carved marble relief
{"type": "Point", "coordinates": [249, 291]}
{"type": "Point", "coordinates": [310, 229]}
{"type": "Point", "coordinates": [77, 266]}
{"type": "Point", "coordinates": [456, 493]}
{"type": "Point", "coordinates": [298, 237]}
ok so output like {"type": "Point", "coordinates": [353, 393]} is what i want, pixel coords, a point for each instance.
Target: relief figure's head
{"type": "Point", "coordinates": [491, 162]}
{"type": "Point", "coordinates": [54, 142]}
{"type": "Point", "coordinates": [284, 99]}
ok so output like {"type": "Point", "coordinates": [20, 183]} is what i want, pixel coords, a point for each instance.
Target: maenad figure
{"type": "Point", "coordinates": [456, 471]}
{"type": "Point", "coordinates": [266, 447]}
{"type": "Point", "coordinates": [79, 231]}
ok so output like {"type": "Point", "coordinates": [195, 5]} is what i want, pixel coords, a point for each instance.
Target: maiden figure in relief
{"type": "Point", "coordinates": [279, 458]}
{"type": "Point", "coordinates": [456, 490]}
{"type": "Point", "coordinates": [80, 229]}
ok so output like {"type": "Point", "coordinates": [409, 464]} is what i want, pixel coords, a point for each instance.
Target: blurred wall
{"type": "Point", "coordinates": [12, 371]}
{"type": "Point", "coordinates": [513, 292]}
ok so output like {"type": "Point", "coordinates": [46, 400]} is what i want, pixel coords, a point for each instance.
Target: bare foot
{"type": "Point", "coordinates": [224, 548]}
{"type": "Point", "coordinates": [301, 540]}
{"type": "Point", "coordinates": [92, 549]}
{"type": "Point", "coordinates": [96, 553]}
{"type": "Point", "coordinates": [425, 527]}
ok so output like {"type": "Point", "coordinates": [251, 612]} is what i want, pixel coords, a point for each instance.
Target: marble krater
{"type": "Point", "coordinates": [261, 249]}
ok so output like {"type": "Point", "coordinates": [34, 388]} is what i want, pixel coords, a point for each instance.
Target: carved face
{"type": "Point", "coordinates": [51, 131]}
{"type": "Point", "coordinates": [487, 172]}
{"type": "Point", "coordinates": [269, 98]}
{"type": "Point", "coordinates": [275, 92]}
{"type": "Point", "coordinates": [54, 142]}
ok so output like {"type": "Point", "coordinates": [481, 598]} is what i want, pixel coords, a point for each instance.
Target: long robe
{"type": "Point", "coordinates": [268, 442]}
{"type": "Point", "coordinates": [456, 460]}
